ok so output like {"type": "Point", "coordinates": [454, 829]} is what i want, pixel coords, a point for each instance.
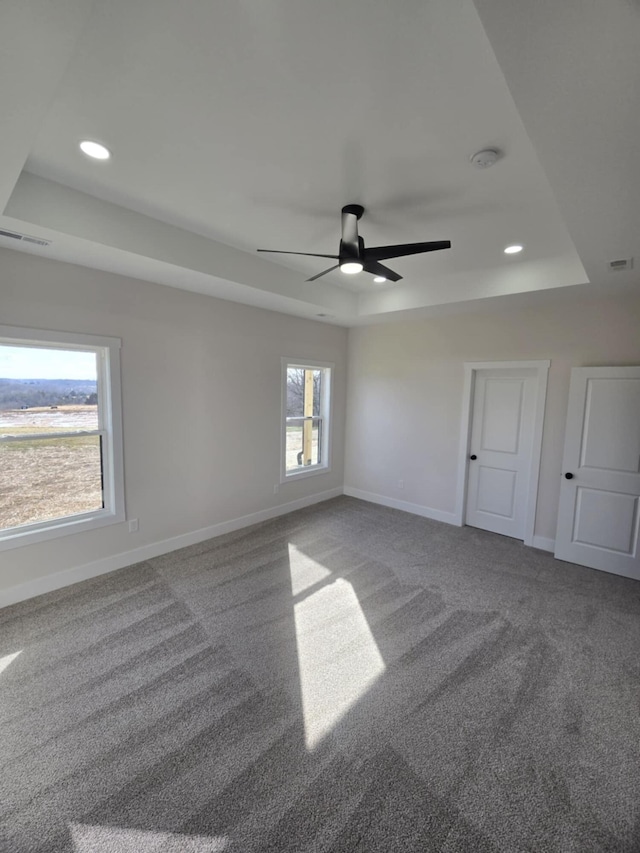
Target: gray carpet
{"type": "Point", "coordinates": [345, 678]}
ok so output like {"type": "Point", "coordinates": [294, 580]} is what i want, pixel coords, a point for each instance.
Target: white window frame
{"type": "Point", "coordinates": [109, 428]}
{"type": "Point", "coordinates": [325, 415]}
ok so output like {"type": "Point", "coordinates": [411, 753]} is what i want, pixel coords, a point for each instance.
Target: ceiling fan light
{"type": "Point", "coordinates": [351, 267]}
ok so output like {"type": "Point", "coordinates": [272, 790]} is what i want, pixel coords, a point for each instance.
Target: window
{"type": "Point", "coordinates": [306, 390]}
{"type": "Point", "coordinates": [60, 434]}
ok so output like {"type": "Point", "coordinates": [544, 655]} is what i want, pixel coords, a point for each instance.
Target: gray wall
{"type": "Point", "coordinates": [406, 387]}
{"type": "Point", "coordinates": [201, 398]}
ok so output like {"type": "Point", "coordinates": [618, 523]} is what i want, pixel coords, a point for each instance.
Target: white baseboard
{"type": "Point", "coordinates": [30, 589]}
{"type": "Point", "coordinates": [416, 509]}
{"type": "Point", "coordinates": [544, 544]}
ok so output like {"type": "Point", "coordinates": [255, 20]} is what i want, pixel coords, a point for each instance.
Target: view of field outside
{"type": "Point", "coordinates": [47, 478]}
{"type": "Point", "coordinates": [43, 479]}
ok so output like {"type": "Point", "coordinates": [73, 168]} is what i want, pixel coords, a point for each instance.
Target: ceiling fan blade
{"type": "Point", "coordinates": [324, 272]}
{"type": "Point", "coordinates": [381, 253]}
{"type": "Point", "coordinates": [308, 254]}
{"type": "Point", "coordinates": [378, 269]}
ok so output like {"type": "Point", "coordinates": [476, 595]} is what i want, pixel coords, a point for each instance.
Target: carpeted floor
{"type": "Point", "coordinates": [346, 678]}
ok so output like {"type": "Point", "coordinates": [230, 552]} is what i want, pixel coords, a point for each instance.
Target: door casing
{"type": "Point", "coordinates": [470, 369]}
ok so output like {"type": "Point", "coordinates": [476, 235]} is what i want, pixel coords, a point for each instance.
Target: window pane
{"type": "Point", "coordinates": [303, 444]}
{"type": "Point", "coordinates": [317, 391]}
{"type": "Point", "coordinates": [304, 389]}
{"type": "Point", "coordinates": [295, 392]}
{"type": "Point", "coordinates": [40, 421]}
{"type": "Point", "coordinates": [47, 390]}
{"type": "Point", "coordinates": [43, 479]}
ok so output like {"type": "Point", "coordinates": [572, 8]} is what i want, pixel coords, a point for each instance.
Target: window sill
{"type": "Point", "coordinates": [17, 538]}
{"type": "Point", "coordinates": [310, 471]}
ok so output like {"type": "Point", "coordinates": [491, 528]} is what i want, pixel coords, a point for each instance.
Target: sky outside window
{"type": "Point", "coordinates": [38, 363]}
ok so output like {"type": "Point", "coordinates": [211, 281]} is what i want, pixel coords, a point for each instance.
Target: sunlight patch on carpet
{"type": "Point", "coordinates": [305, 572]}
{"type": "Point", "coordinates": [337, 656]}
{"type": "Point", "coordinates": [113, 839]}
{"type": "Point", "coordinates": [7, 659]}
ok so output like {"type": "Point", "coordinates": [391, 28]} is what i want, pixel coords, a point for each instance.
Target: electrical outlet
{"type": "Point", "coordinates": [401, 484]}
{"type": "Point", "coordinates": [276, 489]}
{"type": "Point", "coordinates": [133, 525]}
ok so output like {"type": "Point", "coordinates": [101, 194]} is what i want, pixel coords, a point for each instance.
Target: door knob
{"type": "Point", "coordinates": [473, 457]}
{"type": "Point", "coordinates": [569, 476]}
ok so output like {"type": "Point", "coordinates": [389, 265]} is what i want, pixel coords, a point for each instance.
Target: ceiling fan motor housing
{"type": "Point", "coordinates": [356, 209]}
{"type": "Point", "coordinates": [349, 251]}
{"type": "Point", "coordinates": [351, 244]}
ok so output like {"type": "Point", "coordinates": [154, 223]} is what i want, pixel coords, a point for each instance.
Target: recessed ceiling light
{"type": "Point", "coordinates": [513, 250]}
{"type": "Point", "coordinates": [95, 150]}
{"type": "Point", "coordinates": [379, 279]}
{"type": "Point", "coordinates": [351, 267]}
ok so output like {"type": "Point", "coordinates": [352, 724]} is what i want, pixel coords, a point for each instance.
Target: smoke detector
{"type": "Point", "coordinates": [486, 158]}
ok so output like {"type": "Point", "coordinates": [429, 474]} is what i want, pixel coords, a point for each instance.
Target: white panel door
{"type": "Point", "coordinates": [600, 493]}
{"type": "Point", "coordinates": [500, 450]}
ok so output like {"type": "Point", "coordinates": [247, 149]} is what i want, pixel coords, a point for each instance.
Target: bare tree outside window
{"type": "Point", "coordinates": [295, 391]}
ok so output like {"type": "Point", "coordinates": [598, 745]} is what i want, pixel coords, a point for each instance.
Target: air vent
{"type": "Point", "coordinates": [37, 241]}
{"type": "Point", "coordinates": [620, 264]}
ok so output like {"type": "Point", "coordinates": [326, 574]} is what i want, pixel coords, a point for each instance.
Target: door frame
{"type": "Point", "coordinates": [470, 370]}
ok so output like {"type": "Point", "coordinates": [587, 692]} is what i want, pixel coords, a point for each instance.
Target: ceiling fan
{"type": "Point", "coordinates": [353, 257]}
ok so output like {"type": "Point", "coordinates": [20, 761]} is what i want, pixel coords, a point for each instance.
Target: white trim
{"type": "Point", "coordinates": [308, 471]}
{"type": "Point", "coordinates": [326, 414]}
{"type": "Point", "coordinates": [536, 453]}
{"type": "Point", "coordinates": [544, 544]}
{"type": "Point", "coordinates": [22, 591]}
{"type": "Point", "coordinates": [405, 506]}
{"type": "Point", "coordinates": [508, 365]}
{"type": "Point", "coordinates": [54, 528]}
{"type": "Point", "coordinates": [69, 339]}
{"type": "Point", "coordinates": [463, 448]}
{"type": "Point", "coordinates": [308, 362]}
{"type": "Point", "coordinates": [110, 410]}
{"type": "Point", "coordinates": [470, 369]}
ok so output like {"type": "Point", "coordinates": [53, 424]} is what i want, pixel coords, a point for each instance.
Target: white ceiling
{"type": "Point", "coordinates": [248, 124]}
